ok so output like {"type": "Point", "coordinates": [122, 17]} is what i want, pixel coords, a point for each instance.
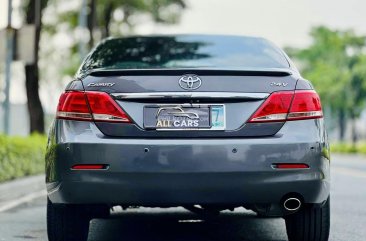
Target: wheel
{"type": "Point", "coordinates": [311, 223]}
{"type": "Point", "coordinates": [67, 222]}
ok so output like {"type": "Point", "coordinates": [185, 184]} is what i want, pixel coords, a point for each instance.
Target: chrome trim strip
{"type": "Point", "coordinates": [157, 95]}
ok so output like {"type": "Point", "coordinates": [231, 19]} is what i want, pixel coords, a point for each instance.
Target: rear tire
{"type": "Point", "coordinates": [67, 222]}
{"type": "Point", "coordinates": [311, 223]}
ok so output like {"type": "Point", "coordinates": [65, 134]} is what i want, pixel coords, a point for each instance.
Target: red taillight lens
{"type": "Point", "coordinates": [275, 108]}
{"type": "Point", "coordinates": [98, 106]}
{"type": "Point", "coordinates": [73, 106]}
{"type": "Point", "coordinates": [289, 105]}
{"type": "Point", "coordinates": [306, 105]}
{"type": "Point", "coordinates": [104, 108]}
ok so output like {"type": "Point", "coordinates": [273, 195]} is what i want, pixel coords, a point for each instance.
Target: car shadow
{"type": "Point", "coordinates": [148, 224]}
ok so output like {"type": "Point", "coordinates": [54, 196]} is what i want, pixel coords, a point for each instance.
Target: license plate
{"type": "Point", "coordinates": [181, 117]}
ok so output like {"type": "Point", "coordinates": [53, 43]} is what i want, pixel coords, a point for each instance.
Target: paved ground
{"type": "Point", "coordinates": [27, 222]}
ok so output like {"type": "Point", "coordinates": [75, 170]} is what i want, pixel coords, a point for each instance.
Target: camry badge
{"type": "Point", "coordinates": [190, 82]}
{"type": "Point", "coordinates": [101, 84]}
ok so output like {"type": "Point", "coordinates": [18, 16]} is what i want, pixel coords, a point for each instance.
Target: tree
{"type": "Point", "coordinates": [335, 63]}
{"type": "Point", "coordinates": [101, 13]}
{"type": "Point", "coordinates": [101, 22]}
{"type": "Point", "coordinates": [100, 18]}
{"type": "Point", "coordinates": [33, 13]}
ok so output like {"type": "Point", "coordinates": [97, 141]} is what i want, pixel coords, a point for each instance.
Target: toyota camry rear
{"type": "Point", "coordinates": [206, 122]}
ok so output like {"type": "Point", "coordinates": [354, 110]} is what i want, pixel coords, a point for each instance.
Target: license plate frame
{"type": "Point", "coordinates": [210, 117]}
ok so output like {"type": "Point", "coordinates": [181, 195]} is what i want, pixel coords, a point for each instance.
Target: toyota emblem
{"type": "Point", "coordinates": [190, 82]}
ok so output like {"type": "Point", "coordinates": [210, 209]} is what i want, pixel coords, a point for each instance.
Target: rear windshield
{"type": "Point", "coordinates": [228, 52]}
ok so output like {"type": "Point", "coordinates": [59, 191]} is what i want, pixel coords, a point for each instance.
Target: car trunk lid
{"type": "Point", "coordinates": [238, 94]}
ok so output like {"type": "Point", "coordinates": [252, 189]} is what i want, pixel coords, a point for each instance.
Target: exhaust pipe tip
{"type": "Point", "coordinates": [292, 204]}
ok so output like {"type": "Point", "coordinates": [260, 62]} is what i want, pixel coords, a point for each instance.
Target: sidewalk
{"type": "Point", "coordinates": [19, 191]}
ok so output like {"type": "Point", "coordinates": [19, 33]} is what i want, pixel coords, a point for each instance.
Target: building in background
{"type": "Point", "coordinates": [19, 121]}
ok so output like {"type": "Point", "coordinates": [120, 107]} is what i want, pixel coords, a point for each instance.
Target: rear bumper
{"type": "Point", "coordinates": [174, 172]}
{"type": "Point", "coordinates": [189, 189]}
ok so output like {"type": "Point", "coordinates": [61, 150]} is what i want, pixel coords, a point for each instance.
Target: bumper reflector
{"type": "Point", "coordinates": [89, 167]}
{"type": "Point", "coordinates": [290, 166]}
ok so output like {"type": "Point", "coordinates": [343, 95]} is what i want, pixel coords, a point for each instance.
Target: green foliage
{"type": "Point", "coordinates": [162, 10]}
{"type": "Point", "coordinates": [102, 21]}
{"type": "Point", "coordinates": [21, 156]}
{"type": "Point", "coordinates": [348, 148]}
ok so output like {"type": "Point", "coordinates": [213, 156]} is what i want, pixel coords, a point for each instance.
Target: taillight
{"type": "Point", "coordinates": [104, 108]}
{"type": "Point", "coordinates": [73, 106]}
{"type": "Point", "coordinates": [289, 105]}
{"type": "Point", "coordinates": [275, 108]}
{"type": "Point", "coordinates": [97, 106]}
{"type": "Point", "coordinates": [306, 105]}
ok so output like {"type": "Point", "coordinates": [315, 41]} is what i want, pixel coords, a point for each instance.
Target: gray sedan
{"type": "Point", "coordinates": [206, 122]}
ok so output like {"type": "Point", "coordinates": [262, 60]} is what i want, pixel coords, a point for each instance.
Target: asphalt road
{"type": "Point", "coordinates": [28, 221]}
